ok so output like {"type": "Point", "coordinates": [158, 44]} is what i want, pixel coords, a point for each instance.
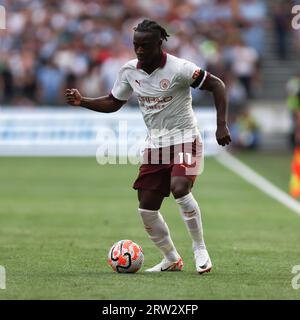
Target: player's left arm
{"type": "Point", "coordinates": [217, 87]}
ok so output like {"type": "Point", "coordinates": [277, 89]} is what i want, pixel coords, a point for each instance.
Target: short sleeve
{"type": "Point", "coordinates": [192, 75]}
{"type": "Point", "coordinates": [122, 90]}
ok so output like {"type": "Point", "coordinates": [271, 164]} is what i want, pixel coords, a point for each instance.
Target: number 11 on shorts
{"type": "Point", "coordinates": [182, 157]}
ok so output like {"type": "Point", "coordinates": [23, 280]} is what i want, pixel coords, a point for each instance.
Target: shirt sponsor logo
{"type": "Point", "coordinates": [154, 99]}
{"type": "Point", "coordinates": [154, 103]}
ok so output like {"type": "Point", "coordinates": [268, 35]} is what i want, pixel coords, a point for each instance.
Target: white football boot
{"type": "Point", "coordinates": [202, 260]}
{"type": "Point", "coordinates": [166, 265]}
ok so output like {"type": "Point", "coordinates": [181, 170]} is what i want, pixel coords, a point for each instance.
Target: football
{"type": "Point", "coordinates": [125, 256]}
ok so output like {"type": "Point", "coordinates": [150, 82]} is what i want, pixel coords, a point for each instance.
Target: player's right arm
{"type": "Point", "coordinates": [102, 104]}
{"type": "Point", "coordinates": [120, 93]}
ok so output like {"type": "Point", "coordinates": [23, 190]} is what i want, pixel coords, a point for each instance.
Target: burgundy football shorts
{"type": "Point", "coordinates": [159, 165]}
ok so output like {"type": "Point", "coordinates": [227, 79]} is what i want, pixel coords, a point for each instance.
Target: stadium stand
{"type": "Point", "coordinates": [51, 45]}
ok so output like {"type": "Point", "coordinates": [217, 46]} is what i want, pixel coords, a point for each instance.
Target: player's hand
{"type": "Point", "coordinates": [73, 97]}
{"type": "Point", "coordinates": [223, 135]}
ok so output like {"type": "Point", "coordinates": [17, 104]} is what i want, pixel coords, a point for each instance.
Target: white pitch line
{"type": "Point", "coordinates": [238, 167]}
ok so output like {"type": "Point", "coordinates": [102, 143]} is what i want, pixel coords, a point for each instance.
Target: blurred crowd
{"type": "Point", "coordinates": [52, 45]}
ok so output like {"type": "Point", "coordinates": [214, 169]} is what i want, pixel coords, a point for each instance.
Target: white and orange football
{"type": "Point", "coordinates": [125, 256]}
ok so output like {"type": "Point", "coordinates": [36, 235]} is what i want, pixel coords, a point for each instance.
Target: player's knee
{"type": "Point", "coordinates": [149, 200]}
{"type": "Point", "coordinates": [180, 186]}
{"type": "Point", "coordinates": [148, 204]}
{"type": "Point", "coordinates": [180, 190]}
{"type": "Point", "coordinates": [145, 205]}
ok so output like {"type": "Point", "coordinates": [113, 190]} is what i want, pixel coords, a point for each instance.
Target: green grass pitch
{"type": "Point", "coordinates": [60, 216]}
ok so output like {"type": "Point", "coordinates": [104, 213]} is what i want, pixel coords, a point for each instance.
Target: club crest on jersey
{"type": "Point", "coordinates": [164, 84]}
